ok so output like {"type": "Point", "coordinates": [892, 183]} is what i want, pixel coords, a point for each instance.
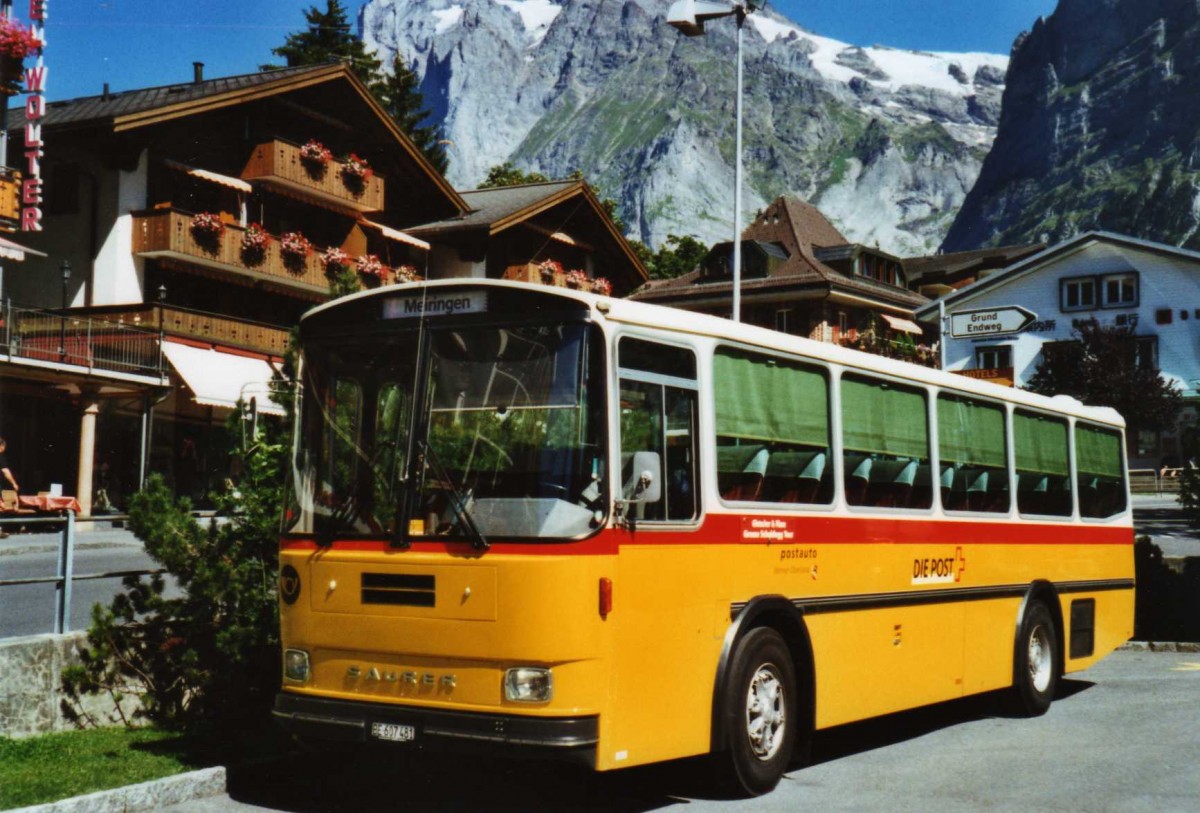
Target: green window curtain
{"type": "Point", "coordinates": [1098, 452]}
{"type": "Point", "coordinates": [768, 400]}
{"type": "Point", "coordinates": [881, 419]}
{"type": "Point", "coordinates": [970, 433]}
{"type": "Point", "coordinates": [1041, 444]}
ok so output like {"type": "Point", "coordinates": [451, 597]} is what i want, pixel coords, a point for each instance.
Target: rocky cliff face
{"type": "Point", "coordinates": [1100, 129]}
{"type": "Point", "coordinates": [886, 142]}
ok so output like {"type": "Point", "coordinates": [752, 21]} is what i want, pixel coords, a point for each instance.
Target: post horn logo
{"type": "Point", "coordinates": [289, 584]}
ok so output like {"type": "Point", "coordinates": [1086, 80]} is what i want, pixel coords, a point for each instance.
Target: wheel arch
{"type": "Point", "coordinates": [1045, 592]}
{"type": "Point", "coordinates": [784, 617]}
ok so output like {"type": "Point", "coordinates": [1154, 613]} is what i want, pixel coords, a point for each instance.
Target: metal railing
{"type": "Point", "coordinates": [1154, 481]}
{"type": "Point", "coordinates": [65, 574]}
{"type": "Point", "coordinates": [84, 341]}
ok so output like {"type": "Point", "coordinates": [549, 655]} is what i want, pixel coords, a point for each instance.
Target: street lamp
{"type": "Point", "coordinates": [65, 268]}
{"type": "Point", "coordinates": [689, 16]}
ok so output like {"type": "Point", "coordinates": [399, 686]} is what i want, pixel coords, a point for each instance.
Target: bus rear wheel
{"type": "Point", "coordinates": [760, 713]}
{"type": "Point", "coordinates": [1036, 670]}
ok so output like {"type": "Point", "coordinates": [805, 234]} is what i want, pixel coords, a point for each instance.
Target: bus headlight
{"type": "Point", "coordinates": [295, 665]}
{"type": "Point", "coordinates": [528, 684]}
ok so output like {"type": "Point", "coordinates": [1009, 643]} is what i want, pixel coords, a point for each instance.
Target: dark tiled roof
{"type": "Point", "coordinates": [489, 206]}
{"type": "Point", "coordinates": [800, 229]}
{"type": "Point", "coordinates": [98, 109]}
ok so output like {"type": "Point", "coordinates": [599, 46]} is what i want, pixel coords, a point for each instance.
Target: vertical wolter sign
{"type": "Point", "coordinates": [35, 111]}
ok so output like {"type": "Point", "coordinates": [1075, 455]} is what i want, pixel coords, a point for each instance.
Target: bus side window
{"type": "Point", "coordinates": [885, 433]}
{"type": "Point", "coordinates": [772, 422]}
{"type": "Point", "coordinates": [1043, 476]}
{"type": "Point", "coordinates": [658, 415]}
{"type": "Point", "coordinates": [1100, 476]}
{"type": "Point", "coordinates": [972, 450]}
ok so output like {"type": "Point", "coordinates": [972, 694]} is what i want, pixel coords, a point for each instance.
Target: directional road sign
{"type": "Point", "coordinates": [989, 322]}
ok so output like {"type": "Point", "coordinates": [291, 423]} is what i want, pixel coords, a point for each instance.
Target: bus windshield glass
{"type": "Point", "coordinates": [511, 434]}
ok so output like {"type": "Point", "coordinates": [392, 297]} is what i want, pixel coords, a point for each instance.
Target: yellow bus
{"type": "Point", "coordinates": [549, 523]}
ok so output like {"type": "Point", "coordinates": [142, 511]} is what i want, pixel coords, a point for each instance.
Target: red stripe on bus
{"type": "Point", "coordinates": [727, 529]}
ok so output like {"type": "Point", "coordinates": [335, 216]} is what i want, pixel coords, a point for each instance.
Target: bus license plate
{"type": "Point", "coordinates": [393, 732]}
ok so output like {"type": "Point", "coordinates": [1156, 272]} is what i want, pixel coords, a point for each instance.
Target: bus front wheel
{"type": "Point", "coordinates": [1036, 670]}
{"type": "Point", "coordinates": [760, 712]}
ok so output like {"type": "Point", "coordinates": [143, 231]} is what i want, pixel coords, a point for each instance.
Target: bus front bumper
{"type": "Point", "coordinates": [570, 738]}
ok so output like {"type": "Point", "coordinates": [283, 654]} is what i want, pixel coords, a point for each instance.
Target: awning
{"type": "Point", "coordinates": [214, 177]}
{"type": "Point", "coordinates": [396, 234]}
{"type": "Point", "coordinates": [902, 325]}
{"type": "Point", "coordinates": [220, 379]}
{"type": "Point", "coordinates": [15, 251]}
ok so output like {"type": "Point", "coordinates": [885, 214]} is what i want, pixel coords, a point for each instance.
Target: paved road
{"type": "Point", "coordinates": [1122, 736]}
{"type": "Point", "coordinates": [29, 609]}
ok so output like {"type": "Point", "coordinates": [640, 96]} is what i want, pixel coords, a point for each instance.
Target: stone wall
{"type": "Point", "coordinates": [29, 684]}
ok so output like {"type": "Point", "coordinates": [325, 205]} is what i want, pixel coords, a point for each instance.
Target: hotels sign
{"type": "Point", "coordinates": [989, 322]}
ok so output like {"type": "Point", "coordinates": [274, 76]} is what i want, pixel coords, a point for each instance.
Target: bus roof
{"type": "Point", "coordinates": [675, 320]}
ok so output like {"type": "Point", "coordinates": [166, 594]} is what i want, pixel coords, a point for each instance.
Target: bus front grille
{"type": "Point", "coordinates": [398, 588]}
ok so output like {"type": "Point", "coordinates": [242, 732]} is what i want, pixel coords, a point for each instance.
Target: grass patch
{"type": "Point", "coordinates": [72, 763]}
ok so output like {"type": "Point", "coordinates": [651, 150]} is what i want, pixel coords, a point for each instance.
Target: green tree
{"type": "Point", "coordinates": [327, 38]}
{"type": "Point", "coordinates": [404, 103]}
{"type": "Point", "coordinates": [1104, 366]}
{"type": "Point", "coordinates": [507, 174]}
{"type": "Point", "coordinates": [676, 257]}
{"type": "Point", "coordinates": [205, 662]}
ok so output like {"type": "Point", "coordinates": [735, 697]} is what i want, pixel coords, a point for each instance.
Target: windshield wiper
{"type": "Point", "coordinates": [457, 502]}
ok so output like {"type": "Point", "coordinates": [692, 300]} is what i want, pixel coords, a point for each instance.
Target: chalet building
{"type": "Point", "coordinates": [1150, 287]}
{"type": "Point", "coordinates": [509, 231]}
{"type": "Point", "coordinates": [185, 230]}
{"type": "Point", "coordinates": [800, 275]}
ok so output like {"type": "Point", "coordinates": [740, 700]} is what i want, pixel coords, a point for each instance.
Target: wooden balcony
{"type": "Point", "coordinates": [277, 164]}
{"type": "Point", "coordinates": [166, 234]}
{"type": "Point", "coordinates": [225, 331]}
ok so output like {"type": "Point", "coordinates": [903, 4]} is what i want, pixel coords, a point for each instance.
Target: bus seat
{"type": "Point", "coordinates": [740, 471]}
{"type": "Point", "coordinates": [794, 476]}
{"type": "Point", "coordinates": [890, 482]}
{"type": "Point", "coordinates": [857, 468]}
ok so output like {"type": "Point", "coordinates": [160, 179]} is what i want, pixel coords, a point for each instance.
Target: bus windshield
{"type": "Point", "coordinates": [510, 433]}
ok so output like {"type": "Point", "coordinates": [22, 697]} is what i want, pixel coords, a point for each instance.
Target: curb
{"type": "Point", "coordinates": [152, 795]}
{"type": "Point", "coordinates": [1159, 646]}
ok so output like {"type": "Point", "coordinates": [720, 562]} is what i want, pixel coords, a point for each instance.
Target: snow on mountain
{"type": "Point", "coordinates": [886, 141]}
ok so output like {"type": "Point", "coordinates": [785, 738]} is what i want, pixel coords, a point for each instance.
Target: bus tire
{"type": "Point", "coordinates": [761, 713]}
{"type": "Point", "coordinates": [1036, 668]}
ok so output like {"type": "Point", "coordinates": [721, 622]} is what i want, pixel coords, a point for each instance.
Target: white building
{"type": "Point", "coordinates": [1151, 287]}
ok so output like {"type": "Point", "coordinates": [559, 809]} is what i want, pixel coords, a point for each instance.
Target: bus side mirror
{"type": "Point", "coordinates": [644, 483]}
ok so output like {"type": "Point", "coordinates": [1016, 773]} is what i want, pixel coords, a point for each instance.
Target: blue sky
{"type": "Point", "coordinates": [143, 43]}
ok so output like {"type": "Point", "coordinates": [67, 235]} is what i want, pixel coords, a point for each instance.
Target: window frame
{"type": "Point", "coordinates": [1117, 277]}
{"type": "Point", "coordinates": [992, 348]}
{"type": "Point", "coordinates": [1066, 283]}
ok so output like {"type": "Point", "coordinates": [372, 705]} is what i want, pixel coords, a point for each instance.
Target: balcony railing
{"type": "Point", "coordinates": [83, 341]}
{"type": "Point", "coordinates": [167, 234]}
{"type": "Point", "coordinates": [210, 327]}
{"type": "Point", "coordinates": [277, 163]}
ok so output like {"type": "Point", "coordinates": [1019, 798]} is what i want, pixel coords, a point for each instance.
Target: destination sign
{"type": "Point", "coordinates": [435, 304]}
{"type": "Point", "coordinates": [989, 322]}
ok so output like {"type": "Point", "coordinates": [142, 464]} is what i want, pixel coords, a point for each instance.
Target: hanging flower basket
{"type": "Point", "coordinates": [370, 267]}
{"type": "Point", "coordinates": [601, 286]}
{"type": "Point", "coordinates": [335, 261]}
{"type": "Point", "coordinates": [552, 273]}
{"type": "Point", "coordinates": [355, 173]}
{"type": "Point", "coordinates": [254, 245]}
{"type": "Point", "coordinates": [315, 158]}
{"type": "Point", "coordinates": [206, 229]}
{"type": "Point", "coordinates": [407, 273]}
{"type": "Point", "coordinates": [294, 249]}
{"type": "Point", "coordinates": [578, 279]}
{"type": "Point", "coordinates": [16, 43]}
